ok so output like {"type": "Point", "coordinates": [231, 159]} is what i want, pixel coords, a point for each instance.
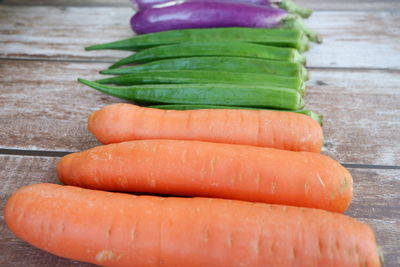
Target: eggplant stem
{"type": "Point", "coordinates": [292, 7]}
{"type": "Point", "coordinates": [295, 22]}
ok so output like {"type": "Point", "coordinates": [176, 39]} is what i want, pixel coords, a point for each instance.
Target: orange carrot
{"type": "Point", "coordinates": [113, 229]}
{"type": "Point", "coordinates": [276, 129]}
{"type": "Point", "coordinates": [193, 168]}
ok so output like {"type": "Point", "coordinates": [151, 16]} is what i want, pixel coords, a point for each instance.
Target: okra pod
{"type": "Point", "coordinates": [223, 48]}
{"type": "Point", "coordinates": [206, 94]}
{"type": "Point", "coordinates": [227, 64]}
{"type": "Point", "coordinates": [193, 77]}
{"type": "Point", "coordinates": [294, 38]}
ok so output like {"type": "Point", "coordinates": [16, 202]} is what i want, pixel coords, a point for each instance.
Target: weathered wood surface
{"type": "Point", "coordinates": [54, 115]}
{"type": "Point", "coordinates": [372, 5]}
{"type": "Point", "coordinates": [361, 109]}
{"type": "Point", "coordinates": [375, 202]}
{"type": "Point", "coordinates": [62, 33]}
{"type": "Point", "coordinates": [354, 84]}
{"type": "Point", "coordinates": [351, 39]}
{"type": "Point", "coordinates": [356, 40]}
{"type": "Point", "coordinates": [67, 2]}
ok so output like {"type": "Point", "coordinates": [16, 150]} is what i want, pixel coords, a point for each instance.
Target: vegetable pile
{"type": "Point", "coordinates": [221, 53]}
{"type": "Point", "coordinates": [217, 121]}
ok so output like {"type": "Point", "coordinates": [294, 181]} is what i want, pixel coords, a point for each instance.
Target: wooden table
{"type": "Point", "coordinates": [355, 80]}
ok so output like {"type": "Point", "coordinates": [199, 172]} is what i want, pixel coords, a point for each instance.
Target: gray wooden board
{"type": "Point", "coordinates": [61, 33]}
{"type": "Point", "coordinates": [351, 39]}
{"type": "Point", "coordinates": [360, 109]}
{"type": "Point", "coordinates": [354, 85]}
{"type": "Point", "coordinates": [356, 40]}
{"type": "Point", "coordinates": [376, 201]}
{"type": "Point", "coordinates": [313, 4]}
{"type": "Point", "coordinates": [372, 5]}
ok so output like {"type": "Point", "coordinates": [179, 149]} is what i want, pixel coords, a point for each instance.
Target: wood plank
{"type": "Point", "coordinates": [356, 40]}
{"type": "Point", "coordinates": [361, 109]}
{"type": "Point", "coordinates": [351, 5]}
{"type": "Point", "coordinates": [314, 4]}
{"type": "Point", "coordinates": [351, 39]}
{"type": "Point", "coordinates": [375, 202]}
{"type": "Point", "coordinates": [63, 32]}
{"type": "Point", "coordinates": [68, 2]}
{"type": "Point", "coordinates": [54, 115]}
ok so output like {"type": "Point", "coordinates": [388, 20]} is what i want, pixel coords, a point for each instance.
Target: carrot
{"type": "Point", "coordinates": [192, 168]}
{"type": "Point", "coordinates": [277, 129]}
{"type": "Point", "coordinates": [113, 229]}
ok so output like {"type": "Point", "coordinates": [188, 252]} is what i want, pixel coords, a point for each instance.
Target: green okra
{"type": "Point", "coordinates": [221, 48]}
{"type": "Point", "coordinates": [319, 118]}
{"type": "Point", "coordinates": [206, 94]}
{"type": "Point", "coordinates": [205, 76]}
{"type": "Point", "coordinates": [294, 38]}
{"type": "Point", "coordinates": [229, 64]}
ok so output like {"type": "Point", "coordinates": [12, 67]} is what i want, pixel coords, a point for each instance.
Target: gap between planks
{"type": "Point", "coordinates": [56, 154]}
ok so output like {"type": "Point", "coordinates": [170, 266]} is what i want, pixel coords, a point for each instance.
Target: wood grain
{"type": "Point", "coordinates": [351, 39]}
{"type": "Point", "coordinates": [42, 107]}
{"type": "Point", "coordinates": [314, 4]}
{"type": "Point", "coordinates": [352, 5]}
{"type": "Point", "coordinates": [361, 109]}
{"type": "Point", "coordinates": [356, 40]}
{"type": "Point", "coordinates": [54, 115]}
{"type": "Point", "coordinates": [68, 2]}
{"type": "Point", "coordinates": [375, 202]}
{"type": "Point", "coordinates": [63, 32]}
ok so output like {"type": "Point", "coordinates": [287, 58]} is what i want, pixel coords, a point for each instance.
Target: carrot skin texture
{"type": "Point", "coordinates": [192, 168]}
{"type": "Point", "coordinates": [282, 130]}
{"type": "Point", "coordinates": [113, 229]}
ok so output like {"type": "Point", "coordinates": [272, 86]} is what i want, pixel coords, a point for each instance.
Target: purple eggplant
{"type": "Point", "coordinates": [215, 14]}
{"type": "Point", "coordinates": [288, 5]}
